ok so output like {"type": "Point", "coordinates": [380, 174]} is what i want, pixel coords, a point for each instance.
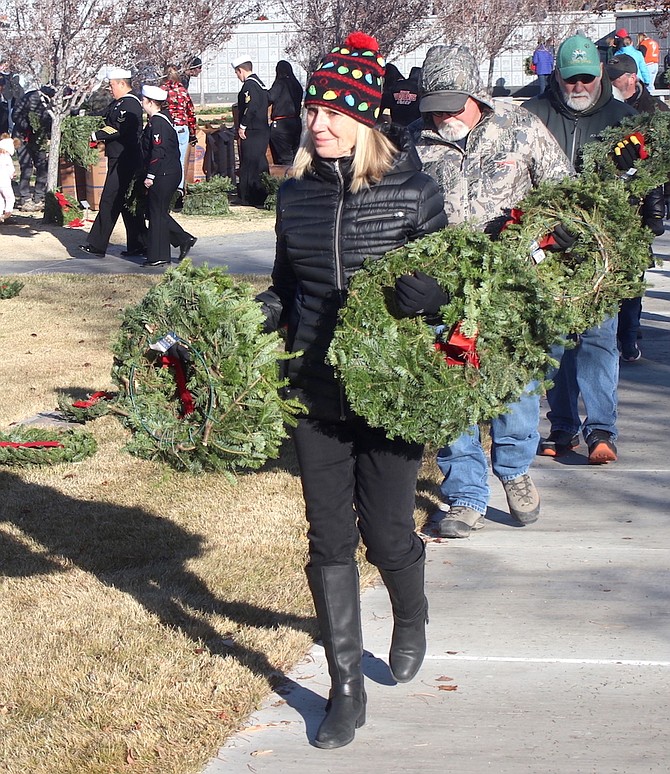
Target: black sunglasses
{"type": "Point", "coordinates": [580, 78]}
{"type": "Point", "coordinates": [448, 112]}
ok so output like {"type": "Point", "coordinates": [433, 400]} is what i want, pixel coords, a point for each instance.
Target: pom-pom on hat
{"type": "Point", "coordinates": [350, 79]}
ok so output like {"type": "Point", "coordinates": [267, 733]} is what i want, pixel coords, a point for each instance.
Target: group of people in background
{"type": "Point", "coordinates": [145, 168]}
{"type": "Point", "coordinates": [646, 54]}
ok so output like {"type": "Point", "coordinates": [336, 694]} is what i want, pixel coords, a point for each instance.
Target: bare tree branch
{"type": "Point", "coordinates": [323, 24]}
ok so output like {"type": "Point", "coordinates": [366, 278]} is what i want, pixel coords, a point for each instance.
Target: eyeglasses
{"type": "Point", "coordinates": [580, 79]}
{"type": "Point", "coordinates": [448, 112]}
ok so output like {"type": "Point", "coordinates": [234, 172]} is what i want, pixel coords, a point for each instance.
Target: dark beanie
{"type": "Point", "coordinates": [349, 79]}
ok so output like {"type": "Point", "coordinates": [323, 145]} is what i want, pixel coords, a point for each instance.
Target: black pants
{"type": "Point", "coordinates": [284, 139]}
{"type": "Point", "coordinates": [32, 156]}
{"type": "Point", "coordinates": [253, 162]}
{"type": "Point", "coordinates": [163, 228]}
{"type": "Point", "coordinates": [112, 204]}
{"type": "Point", "coordinates": [358, 483]}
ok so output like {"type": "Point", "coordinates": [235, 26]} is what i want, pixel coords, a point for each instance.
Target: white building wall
{"type": "Point", "coordinates": [265, 42]}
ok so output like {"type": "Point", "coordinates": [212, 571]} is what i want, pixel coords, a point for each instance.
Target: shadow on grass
{"type": "Point", "coordinates": [142, 555]}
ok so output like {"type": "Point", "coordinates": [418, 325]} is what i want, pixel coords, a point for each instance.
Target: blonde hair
{"type": "Point", "coordinates": [372, 158]}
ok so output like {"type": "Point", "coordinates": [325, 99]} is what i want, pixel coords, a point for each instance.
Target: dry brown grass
{"type": "Point", "coordinates": [145, 613]}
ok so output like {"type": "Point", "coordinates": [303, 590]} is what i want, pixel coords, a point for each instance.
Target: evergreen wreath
{"type": "Point", "coordinates": [597, 157]}
{"type": "Point", "coordinates": [75, 140]}
{"type": "Point", "coordinates": [394, 369]}
{"type": "Point", "coordinates": [98, 404]}
{"type": "Point", "coordinates": [62, 209]}
{"type": "Point", "coordinates": [208, 197]}
{"type": "Point", "coordinates": [10, 288]}
{"type": "Point", "coordinates": [609, 257]}
{"type": "Point", "coordinates": [271, 184]}
{"type": "Point", "coordinates": [24, 446]}
{"type": "Point", "coordinates": [199, 382]}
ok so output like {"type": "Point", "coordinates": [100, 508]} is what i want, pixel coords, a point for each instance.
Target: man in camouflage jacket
{"type": "Point", "coordinates": [485, 156]}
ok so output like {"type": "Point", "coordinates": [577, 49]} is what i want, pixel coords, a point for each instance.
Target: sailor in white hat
{"type": "Point", "coordinates": [162, 175]}
{"type": "Point", "coordinates": [121, 136]}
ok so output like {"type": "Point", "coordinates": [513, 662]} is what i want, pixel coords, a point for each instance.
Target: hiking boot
{"type": "Point", "coordinates": [631, 354]}
{"type": "Point", "coordinates": [559, 442]}
{"type": "Point", "coordinates": [460, 521]}
{"type": "Point", "coordinates": [601, 447]}
{"type": "Point", "coordinates": [523, 499]}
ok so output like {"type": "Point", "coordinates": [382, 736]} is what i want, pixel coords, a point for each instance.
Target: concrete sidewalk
{"type": "Point", "coordinates": [549, 645]}
{"type": "Point", "coordinates": [248, 253]}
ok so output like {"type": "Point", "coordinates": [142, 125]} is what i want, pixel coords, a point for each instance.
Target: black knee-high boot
{"type": "Point", "coordinates": [410, 616]}
{"type": "Point", "coordinates": [336, 596]}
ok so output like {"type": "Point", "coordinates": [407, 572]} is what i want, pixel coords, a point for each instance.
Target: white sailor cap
{"type": "Point", "coordinates": [240, 60]}
{"type": "Point", "coordinates": [118, 74]}
{"type": "Point", "coordinates": [153, 92]}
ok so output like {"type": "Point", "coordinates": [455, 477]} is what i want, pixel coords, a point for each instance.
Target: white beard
{"type": "Point", "coordinates": [583, 101]}
{"type": "Point", "coordinates": [454, 130]}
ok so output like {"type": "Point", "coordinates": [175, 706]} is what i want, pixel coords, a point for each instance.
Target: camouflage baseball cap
{"type": "Point", "coordinates": [449, 76]}
{"type": "Point", "coordinates": [577, 56]}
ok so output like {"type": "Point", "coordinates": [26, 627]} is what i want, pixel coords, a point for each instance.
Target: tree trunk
{"type": "Point", "coordinates": [54, 151]}
{"type": "Point", "coordinates": [489, 82]}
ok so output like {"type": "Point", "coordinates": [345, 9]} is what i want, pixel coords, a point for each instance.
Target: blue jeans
{"type": "Point", "coordinates": [591, 370]}
{"type": "Point", "coordinates": [182, 138]}
{"type": "Point", "coordinates": [630, 310]}
{"type": "Point", "coordinates": [514, 438]}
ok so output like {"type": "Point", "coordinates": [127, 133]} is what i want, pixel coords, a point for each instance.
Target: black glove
{"type": "Point", "coordinates": [419, 294]}
{"type": "Point", "coordinates": [192, 140]}
{"type": "Point", "coordinates": [629, 151]}
{"type": "Point", "coordinates": [562, 240]}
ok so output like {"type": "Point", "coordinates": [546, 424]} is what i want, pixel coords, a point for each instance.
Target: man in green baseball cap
{"type": "Point", "coordinates": [577, 106]}
{"type": "Point", "coordinates": [579, 72]}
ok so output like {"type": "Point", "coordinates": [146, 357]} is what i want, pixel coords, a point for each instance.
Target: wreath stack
{"type": "Point", "coordinates": [199, 380]}
{"type": "Point", "coordinates": [606, 262]}
{"type": "Point", "coordinates": [509, 301]}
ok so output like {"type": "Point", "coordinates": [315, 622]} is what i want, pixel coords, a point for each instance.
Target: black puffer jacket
{"type": "Point", "coordinates": [324, 233]}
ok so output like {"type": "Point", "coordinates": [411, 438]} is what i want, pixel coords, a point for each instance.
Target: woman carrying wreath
{"type": "Point", "coordinates": [354, 191]}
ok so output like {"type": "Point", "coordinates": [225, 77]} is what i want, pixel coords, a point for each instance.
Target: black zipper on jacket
{"type": "Point", "coordinates": [339, 269]}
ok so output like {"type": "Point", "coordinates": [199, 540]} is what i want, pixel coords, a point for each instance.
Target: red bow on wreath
{"type": "Point", "coordinates": [187, 403]}
{"type": "Point", "coordinates": [459, 349]}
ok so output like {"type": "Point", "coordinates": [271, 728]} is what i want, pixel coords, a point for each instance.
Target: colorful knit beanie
{"type": "Point", "coordinates": [350, 79]}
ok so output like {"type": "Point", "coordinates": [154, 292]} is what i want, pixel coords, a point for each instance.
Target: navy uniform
{"type": "Point", "coordinates": [162, 165]}
{"type": "Point", "coordinates": [252, 104]}
{"type": "Point", "coordinates": [121, 135]}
